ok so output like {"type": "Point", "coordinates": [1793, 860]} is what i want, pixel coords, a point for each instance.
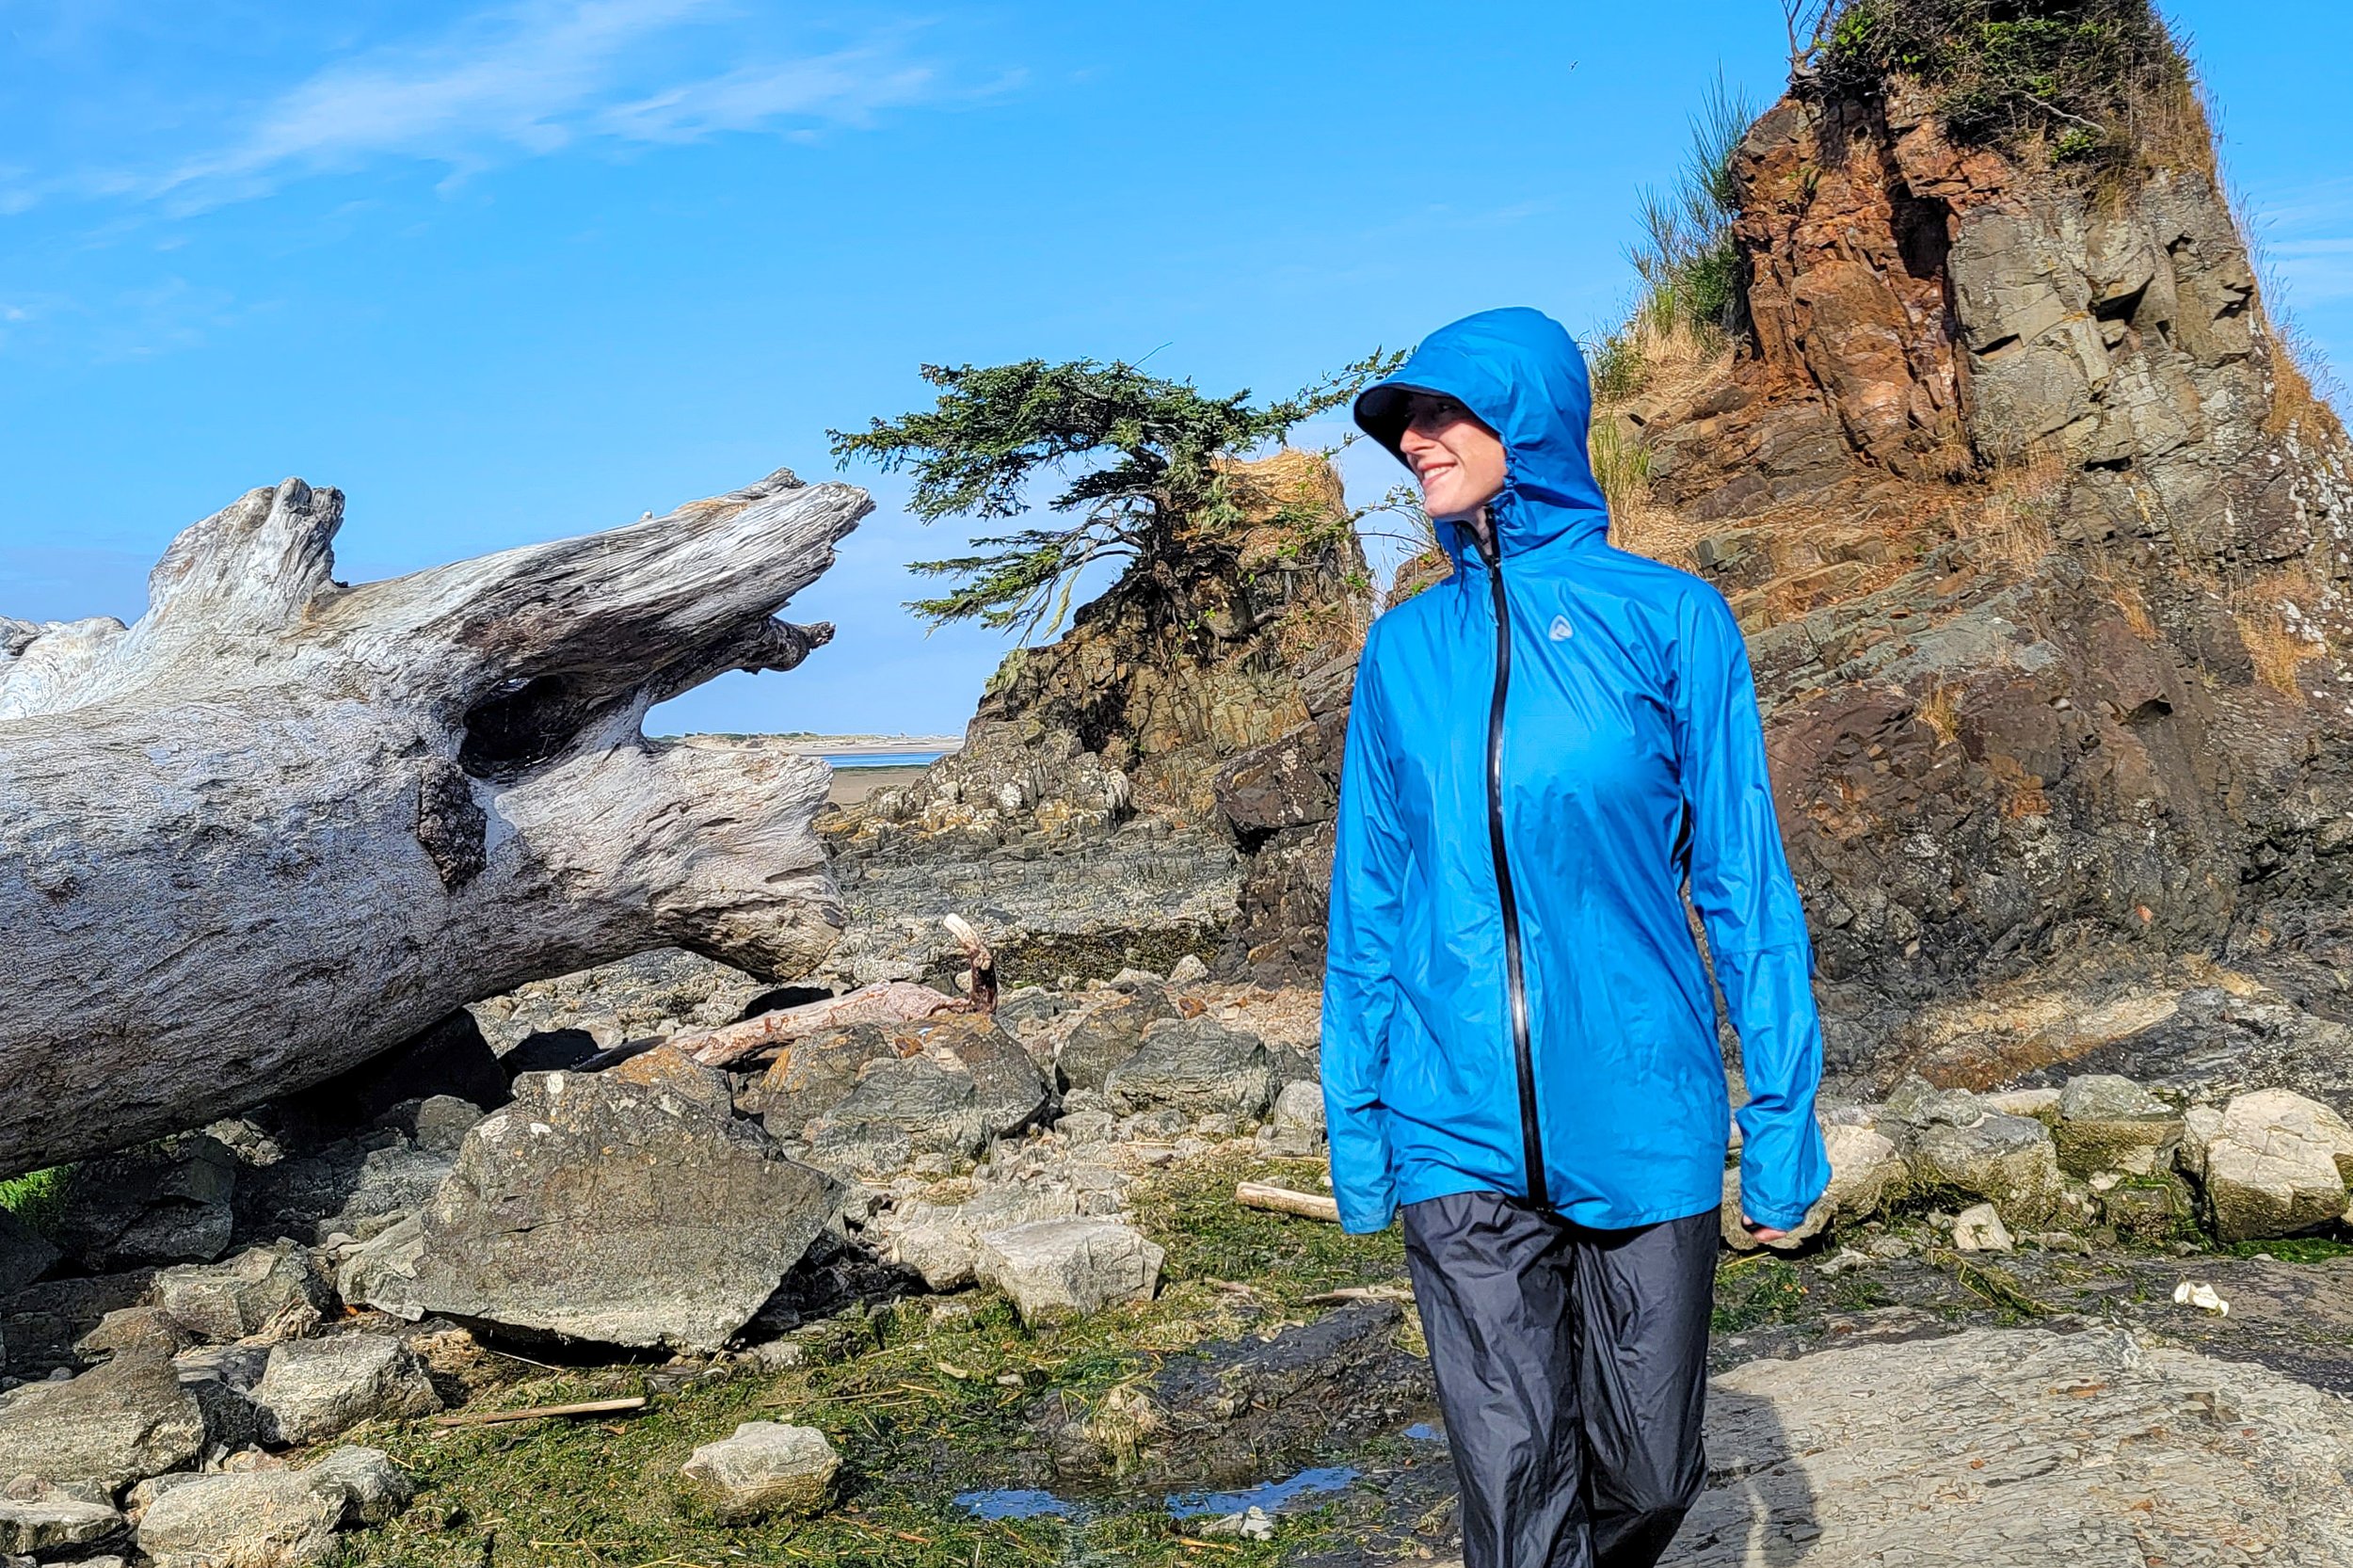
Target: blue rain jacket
{"type": "Point", "coordinates": [1557, 801]}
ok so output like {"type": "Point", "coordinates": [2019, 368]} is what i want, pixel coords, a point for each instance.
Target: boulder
{"type": "Point", "coordinates": [275, 1290]}
{"type": "Point", "coordinates": [1978, 1228]}
{"type": "Point", "coordinates": [353, 1186]}
{"type": "Point", "coordinates": [168, 1201]}
{"type": "Point", "coordinates": [945, 1089]}
{"type": "Point", "coordinates": [1865, 1169]}
{"type": "Point", "coordinates": [113, 1425]}
{"type": "Point", "coordinates": [2009, 1161]}
{"type": "Point", "coordinates": [313, 1389]}
{"type": "Point", "coordinates": [25, 1254]}
{"type": "Point", "coordinates": [256, 1519]}
{"type": "Point", "coordinates": [599, 1209]}
{"type": "Point", "coordinates": [766, 1468]}
{"type": "Point", "coordinates": [129, 1330]}
{"type": "Point", "coordinates": [2109, 1123]}
{"type": "Point", "coordinates": [1198, 1067]}
{"type": "Point", "coordinates": [812, 1076]}
{"type": "Point", "coordinates": [1297, 1128]}
{"type": "Point", "coordinates": [1007, 1085]}
{"type": "Point", "coordinates": [941, 1242]}
{"type": "Point", "coordinates": [221, 1378]}
{"type": "Point", "coordinates": [2269, 1163]}
{"type": "Point", "coordinates": [47, 1521]}
{"type": "Point", "coordinates": [1060, 1270]}
{"type": "Point", "coordinates": [1107, 1036]}
{"type": "Point", "coordinates": [667, 1067]}
{"type": "Point", "coordinates": [903, 1110]}
{"type": "Point", "coordinates": [2149, 1210]}
{"type": "Point", "coordinates": [370, 1484]}
{"type": "Point", "coordinates": [384, 1267]}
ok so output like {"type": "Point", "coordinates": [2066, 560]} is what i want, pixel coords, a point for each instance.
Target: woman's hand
{"type": "Point", "coordinates": [1762, 1233]}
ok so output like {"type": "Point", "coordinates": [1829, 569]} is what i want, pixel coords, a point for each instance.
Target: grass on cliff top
{"type": "Point", "coordinates": [2098, 83]}
{"type": "Point", "coordinates": [917, 1410]}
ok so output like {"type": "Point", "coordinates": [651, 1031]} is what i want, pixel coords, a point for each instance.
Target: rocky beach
{"type": "Point", "coordinates": [693, 1158]}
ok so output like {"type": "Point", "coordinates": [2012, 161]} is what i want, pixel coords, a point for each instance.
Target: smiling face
{"type": "Point", "coordinates": [1459, 461]}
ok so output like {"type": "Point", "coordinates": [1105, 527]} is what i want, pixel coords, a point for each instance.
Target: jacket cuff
{"type": "Point", "coordinates": [1775, 1216]}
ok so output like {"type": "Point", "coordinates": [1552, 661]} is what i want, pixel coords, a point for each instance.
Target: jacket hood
{"type": "Point", "coordinates": [1521, 373]}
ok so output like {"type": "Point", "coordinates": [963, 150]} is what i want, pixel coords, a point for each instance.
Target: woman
{"type": "Point", "coordinates": [1519, 1040]}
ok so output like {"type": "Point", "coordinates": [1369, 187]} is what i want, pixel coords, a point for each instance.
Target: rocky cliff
{"type": "Point", "coordinates": [1080, 821]}
{"type": "Point", "coordinates": [2039, 539]}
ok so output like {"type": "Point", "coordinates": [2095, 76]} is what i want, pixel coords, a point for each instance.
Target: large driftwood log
{"type": "Point", "coordinates": [279, 824]}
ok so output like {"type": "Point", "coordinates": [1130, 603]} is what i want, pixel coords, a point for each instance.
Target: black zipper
{"type": "Point", "coordinates": [1514, 978]}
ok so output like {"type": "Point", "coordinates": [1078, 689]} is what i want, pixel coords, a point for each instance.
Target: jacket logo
{"type": "Point", "coordinates": [1562, 631]}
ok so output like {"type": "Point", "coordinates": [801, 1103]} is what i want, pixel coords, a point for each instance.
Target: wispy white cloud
{"type": "Point", "coordinates": [2305, 237]}
{"type": "Point", "coordinates": [521, 80]}
{"type": "Point", "coordinates": [846, 87]}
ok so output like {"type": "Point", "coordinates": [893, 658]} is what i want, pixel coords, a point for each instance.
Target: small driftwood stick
{"type": "Point", "coordinates": [1282, 1200]}
{"type": "Point", "coordinates": [588, 1407]}
{"type": "Point", "coordinates": [981, 982]}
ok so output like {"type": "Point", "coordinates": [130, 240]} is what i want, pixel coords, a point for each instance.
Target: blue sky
{"type": "Point", "coordinates": [511, 272]}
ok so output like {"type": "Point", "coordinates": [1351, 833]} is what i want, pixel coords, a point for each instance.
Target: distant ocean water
{"type": "Point", "coordinates": [881, 759]}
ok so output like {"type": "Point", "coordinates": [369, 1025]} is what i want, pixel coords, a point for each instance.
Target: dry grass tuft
{"type": "Point", "coordinates": [1941, 711]}
{"type": "Point", "coordinates": [2012, 526]}
{"type": "Point", "coordinates": [2274, 616]}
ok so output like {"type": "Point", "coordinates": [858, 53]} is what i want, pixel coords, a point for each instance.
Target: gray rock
{"type": "Point", "coordinates": [132, 1329]}
{"type": "Point", "coordinates": [2150, 1210]}
{"type": "Point", "coordinates": [25, 1254]}
{"type": "Point", "coordinates": [1299, 1107]}
{"type": "Point", "coordinates": [2107, 1123]}
{"type": "Point", "coordinates": [1108, 1036]}
{"type": "Point", "coordinates": [383, 1267]}
{"type": "Point", "coordinates": [1978, 1228]}
{"type": "Point", "coordinates": [960, 1082]}
{"type": "Point", "coordinates": [370, 1484]}
{"type": "Point", "coordinates": [2269, 1163]}
{"type": "Point", "coordinates": [2020, 1447]}
{"type": "Point", "coordinates": [440, 1123]}
{"type": "Point", "coordinates": [275, 1289]}
{"type": "Point", "coordinates": [1917, 1103]}
{"type": "Point", "coordinates": [1866, 1170]}
{"type": "Point", "coordinates": [814, 1077]}
{"type": "Point", "coordinates": [941, 1242]}
{"type": "Point", "coordinates": [2009, 1161]}
{"type": "Point", "coordinates": [1032, 1006]}
{"type": "Point", "coordinates": [766, 1468]}
{"type": "Point", "coordinates": [259, 1519]}
{"type": "Point", "coordinates": [313, 1389]}
{"type": "Point", "coordinates": [1060, 1270]}
{"type": "Point", "coordinates": [165, 1203]}
{"type": "Point", "coordinates": [1188, 970]}
{"type": "Point", "coordinates": [50, 1521]}
{"type": "Point", "coordinates": [611, 1212]}
{"type": "Point", "coordinates": [1086, 1127]}
{"type": "Point", "coordinates": [355, 1187]}
{"type": "Point", "coordinates": [114, 1424]}
{"type": "Point", "coordinates": [221, 1378]}
{"type": "Point", "coordinates": [1198, 1067]}
{"type": "Point", "coordinates": [904, 1109]}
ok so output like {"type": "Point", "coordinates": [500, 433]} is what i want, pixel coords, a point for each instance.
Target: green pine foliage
{"type": "Point", "coordinates": [1138, 459]}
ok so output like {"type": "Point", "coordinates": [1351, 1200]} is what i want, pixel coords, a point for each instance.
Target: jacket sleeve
{"type": "Point", "coordinates": [1359, 991]}
{"type": "Point", "coordinates": [1741, 886]}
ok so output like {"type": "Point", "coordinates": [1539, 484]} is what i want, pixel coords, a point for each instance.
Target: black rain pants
{"type": "Point", "coordinates": [1572, 1369]}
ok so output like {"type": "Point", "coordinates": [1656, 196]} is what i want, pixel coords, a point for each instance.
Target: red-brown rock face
{"type": "Point", "coordinates": [2041, 544]}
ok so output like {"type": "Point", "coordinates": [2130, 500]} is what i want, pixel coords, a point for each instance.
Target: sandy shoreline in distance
{"type": "Point", "coordinates": [851, 785]}
{"type": "Point", "coordinates": [871, 746]}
